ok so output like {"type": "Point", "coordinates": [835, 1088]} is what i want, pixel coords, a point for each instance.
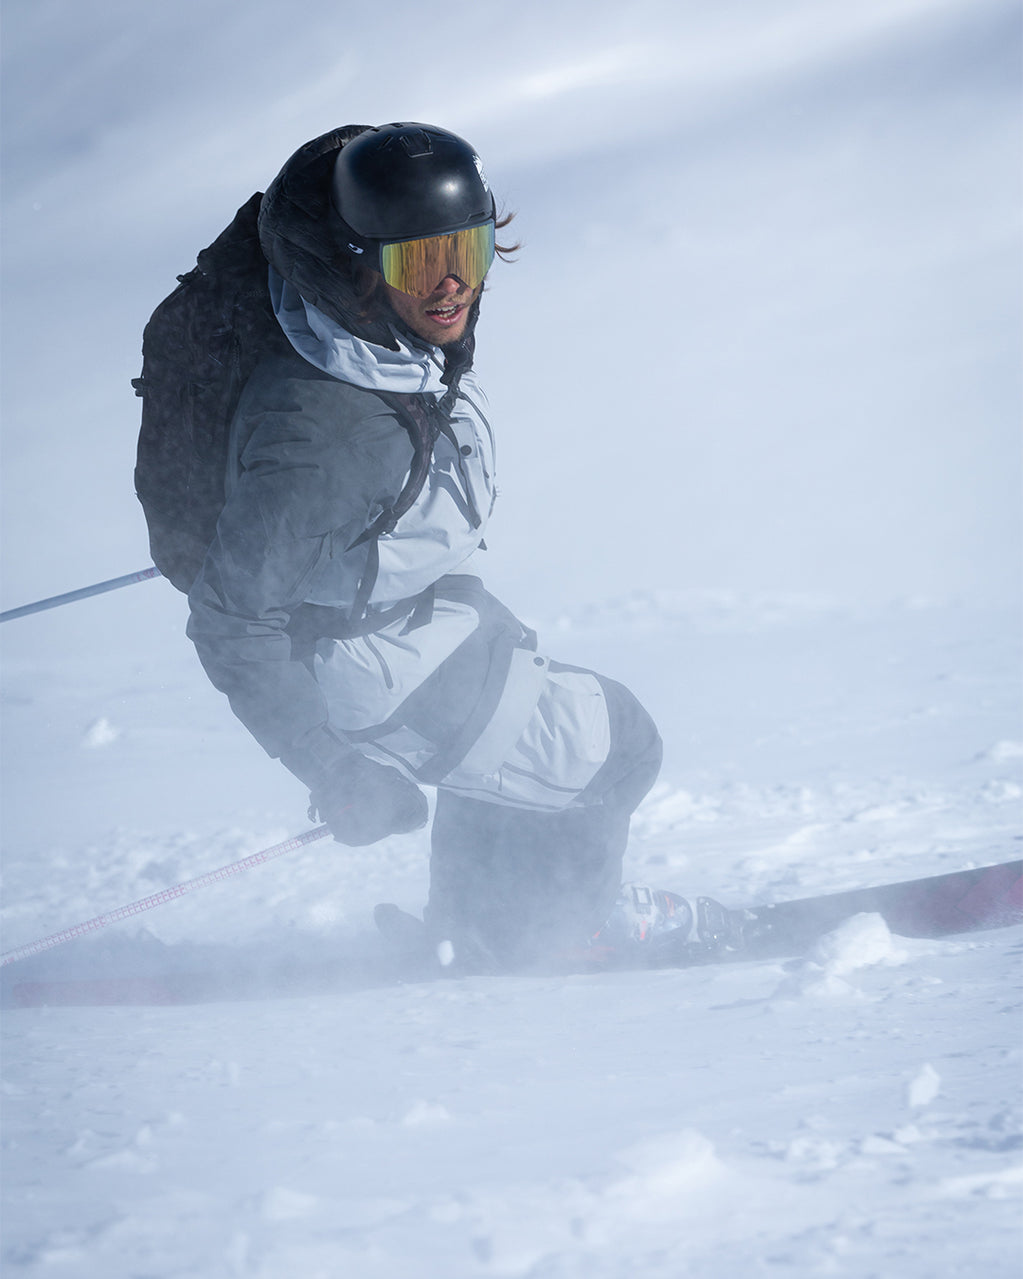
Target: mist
{"type": "Point", "coordinates": [755, 379]}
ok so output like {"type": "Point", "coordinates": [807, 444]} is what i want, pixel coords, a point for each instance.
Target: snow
{"type": "Point", "coordinates": [803, 554]}
{"type": "Point", "coordinates": [854, 1110]}
{"type": "Point", "coordinates": [497, 1127]}
{"type": "Point", "coordinates": [860, 942]}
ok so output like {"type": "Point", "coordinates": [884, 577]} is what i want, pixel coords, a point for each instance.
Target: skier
{"type": "Point", "coordinates": [354, 637]}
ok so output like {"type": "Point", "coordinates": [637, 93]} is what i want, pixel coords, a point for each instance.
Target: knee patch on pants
{"type": "Point", "coordinates": [634, 758]}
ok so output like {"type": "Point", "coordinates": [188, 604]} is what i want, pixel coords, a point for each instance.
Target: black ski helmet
{"type": "Point", "coordinates": [409, 181]}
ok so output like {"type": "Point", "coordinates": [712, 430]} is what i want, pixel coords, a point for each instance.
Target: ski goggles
{"type": "Point", "coordinates": [418, 266]}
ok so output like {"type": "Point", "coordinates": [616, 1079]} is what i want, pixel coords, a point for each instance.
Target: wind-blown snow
{"type": "Point", "coordinates": [756, 380]}
{"type": "Point", "coordinates": [854, 1111]}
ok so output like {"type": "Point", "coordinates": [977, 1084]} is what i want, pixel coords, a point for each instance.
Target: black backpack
{"type": "Point", "coordinates": [199, 349]}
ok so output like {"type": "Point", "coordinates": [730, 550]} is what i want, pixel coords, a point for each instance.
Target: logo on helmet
{"type": "Point", "coordinates": [479, 169]}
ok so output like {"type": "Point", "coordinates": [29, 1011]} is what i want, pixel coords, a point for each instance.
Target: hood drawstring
{"type": "Point", "coordinates": [457, 359]}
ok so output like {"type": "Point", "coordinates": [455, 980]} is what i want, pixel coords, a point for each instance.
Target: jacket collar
{"type": "Point", "coordinates": [408, 367]}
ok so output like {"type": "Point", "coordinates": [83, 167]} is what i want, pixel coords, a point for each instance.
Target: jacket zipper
{"type": "Point", "coordinates": [385, 669]}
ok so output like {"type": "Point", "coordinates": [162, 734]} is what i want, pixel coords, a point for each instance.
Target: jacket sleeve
{"type": "Point", "coordinates": [321, 461]}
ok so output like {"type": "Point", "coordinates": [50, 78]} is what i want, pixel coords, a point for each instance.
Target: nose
{"type": "Point", "coordinates": [450, 285]}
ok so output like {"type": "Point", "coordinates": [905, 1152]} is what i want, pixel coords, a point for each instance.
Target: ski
{"type": "Point", "coordinates": [964, 901]}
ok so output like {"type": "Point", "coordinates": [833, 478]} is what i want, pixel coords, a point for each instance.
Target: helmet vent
{"type": "Point", "coordinates": [417, 143]}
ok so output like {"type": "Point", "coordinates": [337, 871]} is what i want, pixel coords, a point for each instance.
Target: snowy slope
{"type": "Point", "coordinates": [779, 242]}
{"type": "Point", "coordinates": [854, 1112]}
{"type": "Point", "coordinates": [689, 1124]}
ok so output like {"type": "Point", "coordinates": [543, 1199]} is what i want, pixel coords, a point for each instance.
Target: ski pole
{"type": "Point", "coordinates": [82, 593]}
{"type": "Point", "coordinates": [157, 899]}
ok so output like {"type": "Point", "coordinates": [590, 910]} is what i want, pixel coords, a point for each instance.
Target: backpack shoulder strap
{"type": "Point", "coordinates": [423, 420]}
{"type": "Point", "coordinates": [420, 417]}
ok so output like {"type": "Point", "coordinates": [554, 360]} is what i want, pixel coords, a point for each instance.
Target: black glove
{"type": "Point", "coordinates": [360, 800]}
{"type": "Point", "coordinates": [363, 801]}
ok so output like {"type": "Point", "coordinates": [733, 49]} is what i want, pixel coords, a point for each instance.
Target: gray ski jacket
{"type": "Point", "coordinates": [316, 456]}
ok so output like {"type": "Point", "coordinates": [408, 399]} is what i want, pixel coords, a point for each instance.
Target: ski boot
{"type": "Point", "coordinates": [652, 928]}
{"type": "Point", "coordinates": [415, 953]}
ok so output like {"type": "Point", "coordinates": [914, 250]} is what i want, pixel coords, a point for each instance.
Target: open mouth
{"type": "Point", "coordinates": [446, 315]}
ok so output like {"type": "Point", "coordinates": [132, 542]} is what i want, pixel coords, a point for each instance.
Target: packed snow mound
{"type": "Point", "coordinates": [664, 1169]}
{"type": "Point", "coordinates": [861, 942]}
{"type": "Point", "coordinates": [924, 1087]}
{"type": "Point", "coordinates": [101, 732]}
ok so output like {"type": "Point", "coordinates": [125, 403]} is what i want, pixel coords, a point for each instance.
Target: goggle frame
{"type": "Point", "coordinates": [423, 261]}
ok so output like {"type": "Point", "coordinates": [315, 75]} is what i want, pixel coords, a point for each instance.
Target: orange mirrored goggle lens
{"type": "Point", "coordinates": [418, 266]}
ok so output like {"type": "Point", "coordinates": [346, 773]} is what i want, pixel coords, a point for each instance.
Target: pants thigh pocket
{"type": "Point", "coordinates": [562, 743]}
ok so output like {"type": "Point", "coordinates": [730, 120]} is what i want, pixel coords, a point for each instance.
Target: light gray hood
{"type": "Point", "coordinates": [327, 346]}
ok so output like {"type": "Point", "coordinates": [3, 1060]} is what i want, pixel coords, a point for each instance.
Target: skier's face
{"type": "Point", "coordinates": [439, 318]}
